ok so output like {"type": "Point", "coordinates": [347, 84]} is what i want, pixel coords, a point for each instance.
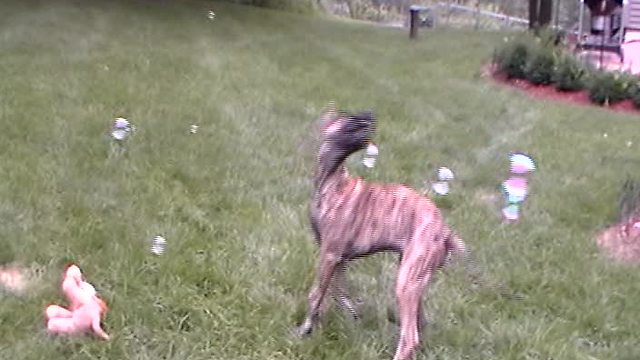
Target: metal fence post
{"type": "Point", "coordinates": [413, 22]}
{"type": "Point", "coordinates": [414, 11]}
{"type": "Point", "coordinates": [477, 25]}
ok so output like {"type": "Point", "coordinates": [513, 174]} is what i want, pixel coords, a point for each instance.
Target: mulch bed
{"type": "Point", "coordinates": [548, 92]}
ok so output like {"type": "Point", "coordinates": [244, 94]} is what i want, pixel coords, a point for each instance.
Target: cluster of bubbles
{"type": "Point", "coordinates": [515, 188]}
{"type": "Point", "coordinates": [370, 156]}
{"type": "Point", "coordinates": [441, 187]}
{"type": "Point", "coordinates": [121, 130]}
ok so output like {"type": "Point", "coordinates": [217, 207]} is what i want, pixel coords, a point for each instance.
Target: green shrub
{"type": "Point", "coordinates": [541, 65]}
{"type": "Point", "coordinates": [569, 74]}
{"type": "Point", "coordinates": [606, 88]}
{"type": "Point", "coordinates": [528, 56]}
{"type": "Point", "coordinates": [634, 94]}
{"type": "Point", "coordinates": [633, 89]}
{"type": "Point", "coordinates": [548, 37]}
{"type": "Point", "coordinates": [512, 59]}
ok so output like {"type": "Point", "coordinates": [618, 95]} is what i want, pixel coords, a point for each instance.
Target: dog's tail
{"type": "Point", "coordinates": [457, 248]}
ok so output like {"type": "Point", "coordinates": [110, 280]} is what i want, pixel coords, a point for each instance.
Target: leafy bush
{"type": "Point", "coordinates": [633, 90]}
{"type": "Point", "coordinates": [635, 98]}
{"type": "Point", "coordinates": [541, 65]}
{"type": "Point", "coordinates": [528, 56]}
{"type": "Point", "coordinates": [607, 88]}
{"type": "Point", "coordinates": [549, 38]}
{"type": "Point", "coordinates": [569, 74]}
{"type": "Point", "coordinates": [512, 58]}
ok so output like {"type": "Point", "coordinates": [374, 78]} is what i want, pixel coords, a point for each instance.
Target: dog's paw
{"type": "Point", "coordinates": [302, 331]}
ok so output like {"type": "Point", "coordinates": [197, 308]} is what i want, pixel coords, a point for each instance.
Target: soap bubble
{"type": "Point", "coordinates": [521, 163]}
{"type": "Point", "coordinates": [121, 129]}
{"type": "Point", "coordinates": [370, 156]}
{"type": "Point", "coordinates": [369, 162]}
{"type": "Point", "coordinates": [510, 212]}
{"type": "Point", "coordinates": [372, 150]}
{"type": "Point", "coordinates": [515, 188]}
{"type": "Point", "coordinates": [158, 245]}
{"type": "Point", "coordinates": [445, 174]}
{"type": "Point", "coordinates": [441, 188]}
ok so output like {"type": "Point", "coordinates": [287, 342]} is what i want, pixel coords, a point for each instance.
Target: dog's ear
{"type": "Point", "coordinates": [328, 115]}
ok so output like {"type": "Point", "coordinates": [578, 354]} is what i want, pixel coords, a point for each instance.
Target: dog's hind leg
{"type": "Point", "coordinates": [326, 269]}
{"type": "Point", "coordinates": [422, 320]}
{"type": "Point", "coordinates": [416, 270]}
{"type": "Point", "coordinates": [408, 295]}
{"type": "Point", "coordinates": [340, 292]}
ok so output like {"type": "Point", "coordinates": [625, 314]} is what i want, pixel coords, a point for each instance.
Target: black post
{"type": "Point", "coordinates": [534, 11]}
{"type": "Point", "coordinates": [413, 23]}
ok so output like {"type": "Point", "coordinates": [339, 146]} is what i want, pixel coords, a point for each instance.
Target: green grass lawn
{"type": "Point", "coordinates": [231, 200]}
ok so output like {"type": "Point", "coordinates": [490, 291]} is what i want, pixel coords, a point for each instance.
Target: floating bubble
{"type": "Point", "coordinates": [158, 245]}
{"type": "Point", "coordinates": [629, 143]}
{"type": "Point", "coordinates": [121, 123]}
{"type": "Point", "coordinates": [521, 163]}
{"type": "Point", "coordinates": [441, 188]}
{"type": "Point", "coordinates": [370, 156]}
{"type": "Point", "coordinates": [515, 188]}
{"type": "Point", "coordinates": [445, 174]}
{"type": "Point", "coordinates": [511, 212]}
{"type": "Point", "coordinates": [372, 150]}
{"type": "Point", "coordinates": [513, 199]}
{"type": "Point", "coordinates": [369, 162]}
{"type": "Point", "coordinates": [605, 135]}
{"type": "Point", "coordinates": [121, 129]}
{"type": "Point", "coordinates": [119, 134]}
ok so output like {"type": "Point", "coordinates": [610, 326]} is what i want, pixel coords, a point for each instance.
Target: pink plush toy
{"type": "Point", "coordinates": [85, 311]}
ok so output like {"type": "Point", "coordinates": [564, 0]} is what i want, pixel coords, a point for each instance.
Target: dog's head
{"type": "Point", "coordinates": [344, 133]}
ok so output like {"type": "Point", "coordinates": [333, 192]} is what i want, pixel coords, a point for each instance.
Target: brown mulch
{"type": "Point", "coordinates": [548, 92]}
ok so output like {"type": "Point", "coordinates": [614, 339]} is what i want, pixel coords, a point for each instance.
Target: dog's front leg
{"type": "Point", "coordinates": [326, 269]}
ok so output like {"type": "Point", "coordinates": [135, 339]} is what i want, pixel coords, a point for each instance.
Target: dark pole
{"type": "Point", "coordinates": [602, 50]}
{"type": "Point", "coordinates": [545, 12]}
{"type": "Point", "coordinates": [557, 13]}
{"type": "Point", "coordinates": [413, 31]}
{"type": "Point", "coordinates": [534, 10]}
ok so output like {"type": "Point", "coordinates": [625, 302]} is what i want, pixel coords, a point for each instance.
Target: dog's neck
{"type": "Point", "coordinates": [327, 181]}
{"type": "Point", "coordinates": [329, 176]}
{"type": "Point", "coordinates": [330, 165]}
